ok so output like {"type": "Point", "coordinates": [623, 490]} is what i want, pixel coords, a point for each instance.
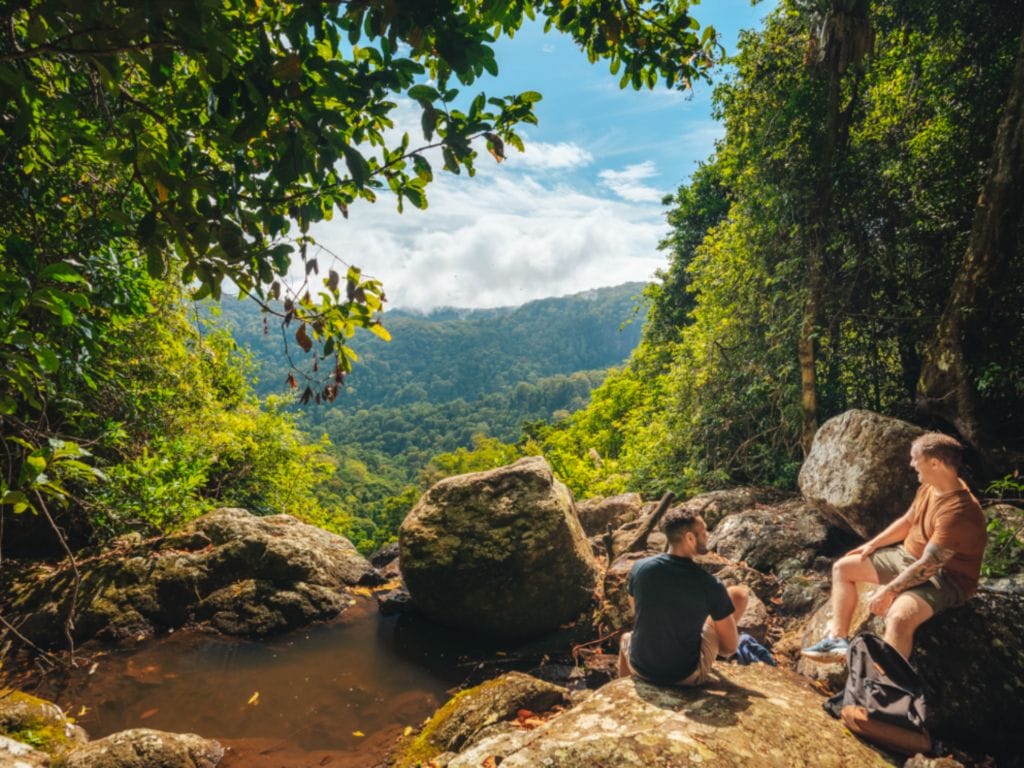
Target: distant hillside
{"type": "Point", "coordinates": [447, 380]}
{"type": "Point", "coordinates": [452, 353]}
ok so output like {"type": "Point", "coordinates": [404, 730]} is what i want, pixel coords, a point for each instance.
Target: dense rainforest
{"type": "Point", "coordinates": [854, 241]}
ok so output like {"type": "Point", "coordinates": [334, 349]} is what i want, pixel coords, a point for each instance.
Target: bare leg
{"type": "Point", "coordinates": [905, 615]}
{"type": "Point", "coordinates": [846, 572]}
{"type": "Point", "coordinates": [740, 596]}
{"type": "Point", "coordinates": [624, 670]}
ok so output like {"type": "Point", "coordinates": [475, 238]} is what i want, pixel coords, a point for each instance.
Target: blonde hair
{"type": "Point", "coordinates": [938, 445]}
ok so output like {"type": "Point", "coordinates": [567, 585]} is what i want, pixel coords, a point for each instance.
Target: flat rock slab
{"type": "Point", "coordinates": [242, 574]}
{"type": "Point", "coordinates": [754, 716]}
{"type": "Point", "coordinates": [858, 473]}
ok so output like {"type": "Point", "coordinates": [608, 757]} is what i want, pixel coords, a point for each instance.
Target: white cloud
{"type": "Point", "coordinates": [498, 239]}
{"type": "Point", "coordinates": [543, 156]}
{"type": "Point", "coordinates": [628, 184]}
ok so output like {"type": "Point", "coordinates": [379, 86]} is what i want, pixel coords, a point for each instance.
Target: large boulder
{"type": "Point", "coordinates": [715, 506]}
{"type": "Point", "coordinates": [857, 472]}
{"type": "Point", "coordinates": [145, 748]}
{"type": "Point", "coordinates": [499, 553]}
{"type": "Point", "coordinates": [483, 710]}
{"type": "Point", "coordinates": [971, 660]}
{"type": "Point", "coordinates": [244, 575]}
{"type": "Point", "coordinates": [747, 716]}
{"type": "Point", "coordinates": [597, 514]}
{"type": "Point", "coordinates": [784, 539]}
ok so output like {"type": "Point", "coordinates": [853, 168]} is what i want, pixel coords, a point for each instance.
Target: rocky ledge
{"type": "Point", "coordinates": [235, 572]}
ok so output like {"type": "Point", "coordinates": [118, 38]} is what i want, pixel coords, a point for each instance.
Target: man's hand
{"type": "Point", "coordinates": [864, 551]}
{"type": "Point", "coordinates": [880, 601]}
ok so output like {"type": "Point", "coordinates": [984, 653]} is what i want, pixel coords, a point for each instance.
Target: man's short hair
{"type": "Point", "coordinates": [678, 522]}
{"type": "Point", "coordinates": [938, 445]}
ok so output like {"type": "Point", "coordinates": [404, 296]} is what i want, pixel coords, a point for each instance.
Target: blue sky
{"type": "Point", "coordinates": [580, 208]}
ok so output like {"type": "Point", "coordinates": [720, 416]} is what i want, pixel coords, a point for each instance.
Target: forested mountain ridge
{"type": "Point", "coordinates": [451, 353]}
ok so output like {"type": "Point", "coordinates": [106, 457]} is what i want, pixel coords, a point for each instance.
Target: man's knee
{"type": "Point", "coordinates": [906, 614]}
{"type": "Point", "coordinates": [740, 596]}
{"type": "Point", "coordinates": [854, 568]}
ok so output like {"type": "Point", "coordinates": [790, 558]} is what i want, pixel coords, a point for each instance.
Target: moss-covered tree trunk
{"type": "Point", "coordinates": [947, 387]}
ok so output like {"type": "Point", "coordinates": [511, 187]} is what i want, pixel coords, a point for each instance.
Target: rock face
{"type": "Point", "coordinates": [144, 748]}
{"type": "Point", "coordinates": [747, 716]}
{"type": "Point", "coordinates": [784, 539]}
{"type": "Point", "coordinates": [597, 514]}
{"type": "Point", "coordinates": [714, 506]}
{"type": "Point", "coordinates": [17, 754]}
{"type": "Point", "coordinates": [472, 713]}
{"type": "Point", "coordinates": [499, 553]}
{"type": "Point", "coordinates": [857, 472]}
{"type": "Point", "coordinates": [971, 660]}
{"type": "Point", "coordinates": [244, 575]}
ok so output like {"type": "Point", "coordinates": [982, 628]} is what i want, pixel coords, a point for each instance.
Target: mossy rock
{"type": "Point", "coordinates": [467, 714]}
{"type": "Point", "coordinates": [39, 723]}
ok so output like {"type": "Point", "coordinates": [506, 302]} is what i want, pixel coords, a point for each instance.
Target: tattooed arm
{"type": "Point", "coordinates": [918, 572]}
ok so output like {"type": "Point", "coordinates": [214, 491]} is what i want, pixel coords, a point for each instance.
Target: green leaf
{"type": "Point", "coordinates": [47, 359]}
{"type": "Point", "coordinates": [530, 97]}
{"type": "Point", "coordinates": [62, 272]}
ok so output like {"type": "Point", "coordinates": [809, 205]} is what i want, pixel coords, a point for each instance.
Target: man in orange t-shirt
{"type": "Point", "coordinates": [936, 567]}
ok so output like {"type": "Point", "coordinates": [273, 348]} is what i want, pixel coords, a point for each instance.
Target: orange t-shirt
{"type": "Point", "coordinates": [954, 521]}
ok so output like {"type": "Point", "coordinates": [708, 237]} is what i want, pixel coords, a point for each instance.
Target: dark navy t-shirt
{"type": "Point", "coordinates": [674, 596]}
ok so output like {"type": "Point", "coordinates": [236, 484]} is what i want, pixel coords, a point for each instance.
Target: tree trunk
{"type": "Point", "coordinates": [946, 389]}
{"type": "Point", "coordinates": [845, 39]}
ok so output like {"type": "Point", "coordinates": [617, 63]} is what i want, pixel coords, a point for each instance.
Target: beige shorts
{"type": "Point", "coordinates": [708, 653]}
{"type": "Point", "coordinates": [939, 592]}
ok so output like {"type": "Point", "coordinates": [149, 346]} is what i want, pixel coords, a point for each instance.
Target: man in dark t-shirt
{"type": "Point", "coordinates": [684, 616]}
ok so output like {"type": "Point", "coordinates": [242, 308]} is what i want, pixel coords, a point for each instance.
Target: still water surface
{"type": "Point", "coordinates": [335, 694]}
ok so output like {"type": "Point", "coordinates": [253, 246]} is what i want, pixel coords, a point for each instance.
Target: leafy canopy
{"type": "Point", "coordinates": [235, 125]}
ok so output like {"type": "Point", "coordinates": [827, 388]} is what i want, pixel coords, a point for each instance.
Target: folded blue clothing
{"type": "Point", "coordinates": [749, 651]}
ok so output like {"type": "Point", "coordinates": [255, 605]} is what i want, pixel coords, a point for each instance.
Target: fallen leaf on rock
{"type": "Point", "coordinates": [490, 762]}
{"type": "Point", "coordinates": [407, 731]}
{"type": "Point", "coordinates": [360, 734]}
{"type": "Point", "coordinates": [254, 699]}
{"type": "Point", "coordinates": [148, 713]}
{"type": "Point", "coordinates": [528, 720]}
{"type": "Point", "coordinates": [82, 711]}
{"type": "Point", "coordinates": [361, 591]}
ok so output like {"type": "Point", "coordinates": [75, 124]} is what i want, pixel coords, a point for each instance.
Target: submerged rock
{"type": "Point", "coordinates": [499, 553]}
{"type": "Point", "coordinates": [145, 748]}
{"type": "Point", "coordinates": [475, 712]}
{"type": "Point", "coordinates": [746, 716]}
{"type": "Point", "coordinates": [243, 574]}
{"type": "Point", "coordinates": [857, 472]}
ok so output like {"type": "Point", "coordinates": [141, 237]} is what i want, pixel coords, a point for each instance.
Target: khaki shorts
{"type": "Point", "coordinates": [708, 652]}
{"type": "Point", "coordinates": [939, 592]}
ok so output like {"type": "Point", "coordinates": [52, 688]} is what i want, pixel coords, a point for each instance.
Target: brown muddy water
{"type": "Point", "coordinates": [336, 694]}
